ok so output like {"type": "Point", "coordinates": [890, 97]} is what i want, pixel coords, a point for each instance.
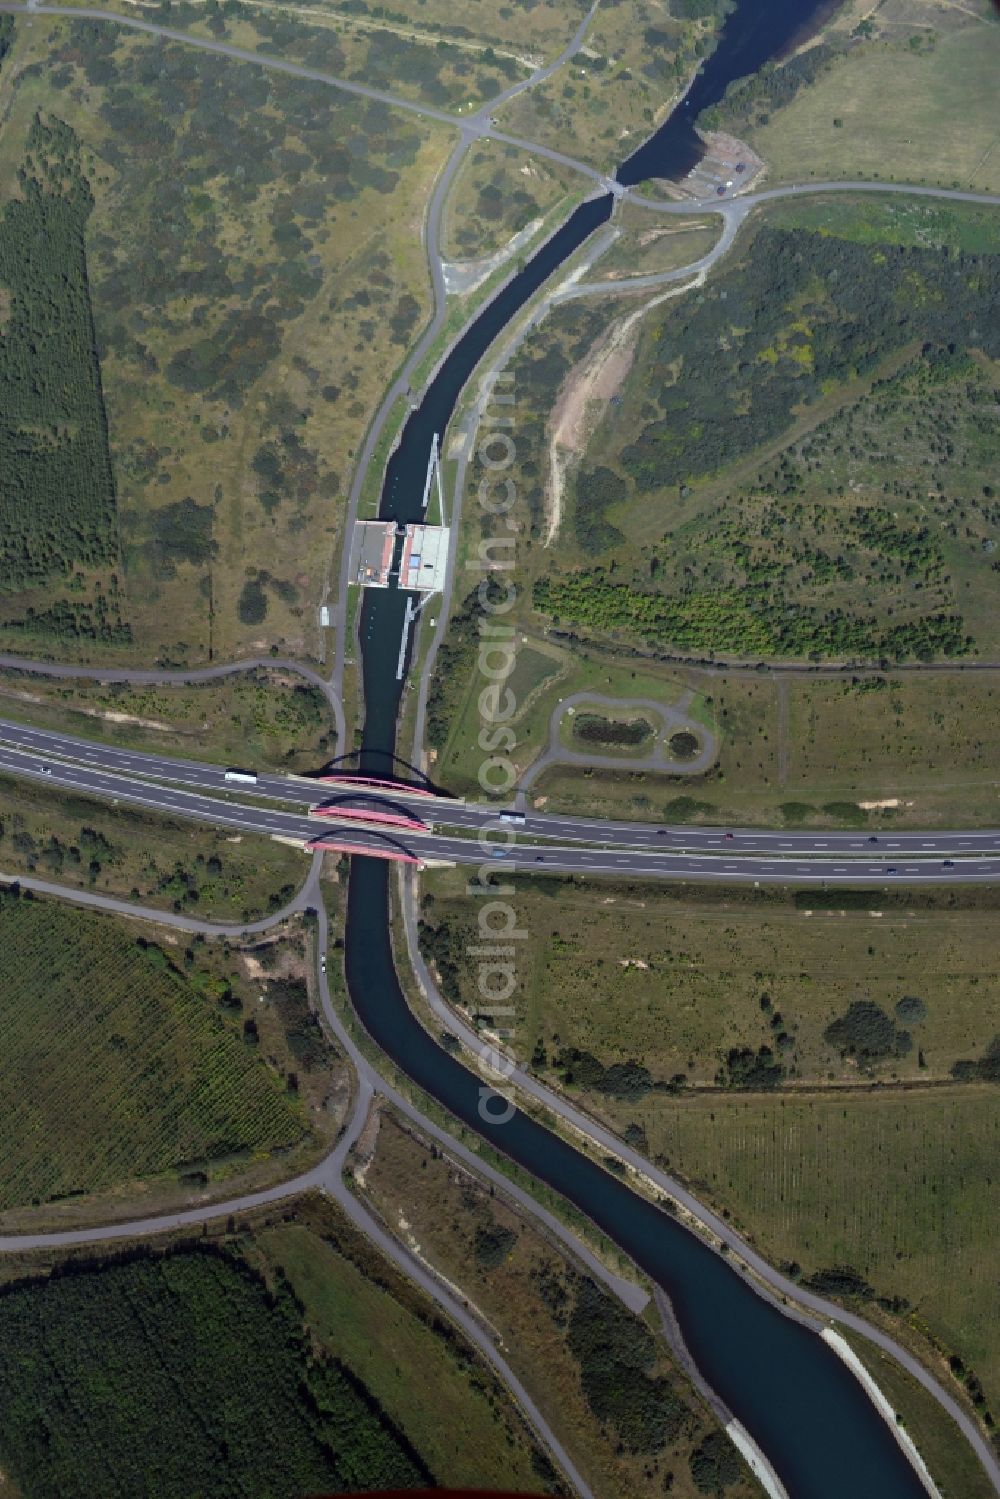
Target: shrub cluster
{"type": "Point", "coordinates": [865, 1031]}
{"type": "Point", "coordinates": [615, 1351]}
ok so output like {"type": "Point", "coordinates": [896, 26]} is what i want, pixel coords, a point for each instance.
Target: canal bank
{"type": "Point", "coordinates": [801, 1405]}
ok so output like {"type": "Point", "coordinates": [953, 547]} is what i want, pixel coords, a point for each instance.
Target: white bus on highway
{"type": "Point", "coordinates": [243, 777]}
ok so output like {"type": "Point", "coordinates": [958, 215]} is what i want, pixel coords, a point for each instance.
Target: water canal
{"type": "Point", "coordinates": [802, 1406]}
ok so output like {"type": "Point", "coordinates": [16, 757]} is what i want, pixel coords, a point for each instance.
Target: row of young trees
{"type": "Point", "coordinates": [749, 101]}
{"type": "Point", "coordinates": [754, 620]}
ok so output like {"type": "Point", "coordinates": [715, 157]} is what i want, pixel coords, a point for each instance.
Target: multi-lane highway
{"type": "Point", "coordinates": [470, 833]}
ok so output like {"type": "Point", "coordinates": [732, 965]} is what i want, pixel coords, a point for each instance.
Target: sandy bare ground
{"type": "Point", "coordinates": [107, 714]}
{"type": "Point", "coordinates": [464, 276]}
{"type": "Point", "coordinates": [652, 235]}
{"type": "Point", "coordinates": [364, 1148]}
{"type": "Point", "coordinates": [584, 397]}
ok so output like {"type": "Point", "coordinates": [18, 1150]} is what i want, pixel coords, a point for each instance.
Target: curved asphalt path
{"type": "Point", "coordinates": [327, 1176]}
{"type": "Point", "coordinates": [733, 212]}
{"type": "Point", "coordinates": [472, 128]}
{"type": "Point", "coordinates": [474, 125]}
{"type": "Point", "coordinates": [95, 901]}
{"type": "Point", "coordinates": [479, 123]}
{"type": "Point", "coordinates": [482, 126]}
{"type": "Point", "coordinates": [181, 676]}
{"type": "Point", "coordinates": [672, 720]}
{"type": "Point", "coordinates": [742, 203]}
{"type": "Point", "coordinates": [237, 54]}
{"type": "Point", "coordinates": [778, 1287]}
{"type": "Point", "coordinates": [731, 217]}
{"type": "Point", "coordinates": [398, 391]}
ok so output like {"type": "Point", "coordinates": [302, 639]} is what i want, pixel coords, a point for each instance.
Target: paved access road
{"type": "Point", "coordinates": [239, 54]}
{"type": "Point", "coordinates": [789, 1296]}
{"type": "Point", "coordinates": [668, 719]}
{"type": "Point", "coordinates": [474, 125]}
{"type": "Point", "coordinates": [328, 1176]}
{"type": "Point", "coordinates": [676, 856]}
{"type": "Point", "coordinates": [130, 775]}
{"type": "Point", "coordinates": [182, 676]}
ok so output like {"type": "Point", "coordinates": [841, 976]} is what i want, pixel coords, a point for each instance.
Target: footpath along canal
{"type": "Point", "coordinates": [802, 1406]}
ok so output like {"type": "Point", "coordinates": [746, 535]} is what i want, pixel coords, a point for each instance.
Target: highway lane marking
{"type": "Point", "coordinates": [260, 821]}
{"type": "Point", "coordinates": [158, 768]}
{"type": "Point", "coordinates": [206, 807]}
{"type": "Point", "coordinates": [165, 767]}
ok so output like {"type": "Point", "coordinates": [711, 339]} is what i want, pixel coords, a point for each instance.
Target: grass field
{"type": "Point", "coordinates": [465, 1427]}
{"type": "Point", "coordinates": [121, 1063]}
{"type": "Point", "coordinates": [863, 751]}
{"type": "Point", "coordinates": [233, 414]}
{"type": "Point", "coordinates": [264, 717]}
{"type": "Point", "coordinates": [904, 733]}
{"type": "Point", "coordinates": [498, 191]}
{"type": "Point", "coordinates": [544, 672]}
{"type": "Point", "coordinates": [716, 1030]}
{"type": "Point", "coordinates": [532, 669]}
{"type": "Point", "coordinates": [645, 246]}
{"type": "Point", "coordinates": [883, 220]}
{"type": "Point", "coordinates": [915, 104]}
{"type": "Point", "coordinates": [793, 752]}
{"type": "Point", "coordinates": [897, 1186]}
{"type": "Point", "coordinates": [531, 1293]}
{"type": "Point", "coordinates": [677, 979]}
{"type": "Point", "coordinates": [952, 1463]}
{"type": "Point", "coordinates": [184, 866]}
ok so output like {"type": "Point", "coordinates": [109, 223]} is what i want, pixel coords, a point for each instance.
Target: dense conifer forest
{"type": "Point", "coordinates": [57, 494]}
{"type": "Point", "coordinates": [181, 1374]}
